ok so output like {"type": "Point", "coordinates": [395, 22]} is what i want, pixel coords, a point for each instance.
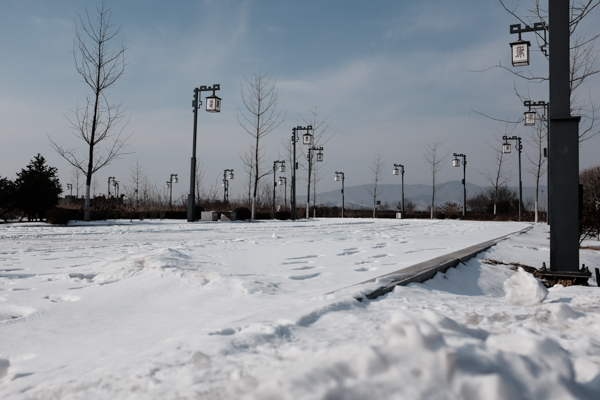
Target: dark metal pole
{"type": "Point", "coordinates": [564, 147]}
{"type": "Point", "coordinates": [274, 186]}
{"type": "Point", "coordinates": [403, 192]}
{"type": "Point", "coordinates": [308, 193]}
{"type": "Point", "coordinates": [294, 166]}
{"type": "Point", "coordinates": [171, 193]}
{"type": "Point", "coordinates": [520, 182]}
{"type": "Point", "coordinates": [343, 203]}
{"type": "Point", "coordinates": [464, 185]}
{"type": "Point", "coordinates": [191, 217]}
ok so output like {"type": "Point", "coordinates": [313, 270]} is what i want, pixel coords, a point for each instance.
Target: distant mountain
{"type": "Point", "coordinates": [360, 196]}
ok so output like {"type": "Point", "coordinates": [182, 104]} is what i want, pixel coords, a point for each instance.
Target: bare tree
{"type": "Point", "coordinates": [320, 137]}
{"type": "Point", "coordinates": [76, 180]}
{"type": "Point", "coordinates": [436, 162]}
{"type": "Point", "coordinates": [590, 179]}
{"type": "Point", "coordinates": [496, 178]}
{"type": "Point", "coordinates": [537, 139]}
{"type": "Point", "coordinates": [584, 63]}
{"type": "Point", "coordinates": [248, 160]}
{"type": "Point", "coordinates": [377, 167]}
{"type": "Point", "coordinates": [258, 118]}
{"type": "Point", "coordinates": [96, 121]}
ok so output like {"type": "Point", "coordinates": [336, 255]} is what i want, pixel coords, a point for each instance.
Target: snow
{"type": "Point", "coordinates": [522, 289]}
{"type": "Point", "coordinates": [221, 310]}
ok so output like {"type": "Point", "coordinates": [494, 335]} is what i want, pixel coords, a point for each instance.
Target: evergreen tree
{"type": "Point", "coordinates": [7, 196]}
{"type": "Point", "coordinates": [37, 188]}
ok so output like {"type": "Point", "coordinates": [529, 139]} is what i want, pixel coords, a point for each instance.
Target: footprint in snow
{"type": "Point", "coordinates": [303, 277]}
{"type": "Point", "coordinates": [302, 268]}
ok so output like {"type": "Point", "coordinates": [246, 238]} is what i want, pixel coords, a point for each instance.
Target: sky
{"type": "Point", "coordinates": [385, 76]}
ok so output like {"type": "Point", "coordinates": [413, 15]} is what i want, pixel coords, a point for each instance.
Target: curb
{"type": "Point", "coordinates": [426, 270]}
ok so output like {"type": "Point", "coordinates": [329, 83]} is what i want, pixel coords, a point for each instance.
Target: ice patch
{"type": "Point", "coordinates": [523, 289]}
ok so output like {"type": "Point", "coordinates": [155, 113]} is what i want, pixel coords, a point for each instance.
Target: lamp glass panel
{"type": "Point", "coordinates": [307, 138]}
{"type": "Point", "coordinates": [337, 178]}
{"type": "Point", "coordinates": [319, 157]}
{"type": "Point", "coordinates": [213, 104]}
{"type": "Point", "coordinates": [530, 118]}
{"type": "Point", "coordinates": [231, 175]}
{"type": "Point", "coordinates": [395, 171]}
{"type": "Point", "coordinates": [456, 162]}
{"type": "Point", "coordinates": [520, 53]}
{"type": "Point", "coordinates": [506, 147]}
{"type": "Point", "coordinates": [282, 168]}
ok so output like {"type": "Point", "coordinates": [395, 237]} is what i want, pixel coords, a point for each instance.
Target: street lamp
{"type": "Point", "coordinates": [309, 158]}
{"type": "Point", "coordinates": [226, 178]}
{"type": "Point", "coordinates": [281, 169]}
{"type": "Point", "coordinates": [171, 181]}
{"type": "Point", "coordinates": [283, 181]}
{"type": "Point", "coordinates": [110, 179]}
{"type": "Point", "coordinates": [341, 175]}
{"type": "Point", "coordinates": [506, 148]}
{"type": "Point", "coordinates": [295, 138]}
{"type": "Point", "coordinates": [395, 171]}
{"type": "Point", "coordinates": [520, 48]}
{"type": "Point", "coordinates": [456, 163]}
{"type": "Point", "coordinates": [70, 187]}
{"type": "Point", "coordinates": [213, 105]}
{"type": "Point", "coordinates": [116, 186]}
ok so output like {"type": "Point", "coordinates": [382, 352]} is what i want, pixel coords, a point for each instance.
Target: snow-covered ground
{"type": "Point", "coordinates": [170, 310]}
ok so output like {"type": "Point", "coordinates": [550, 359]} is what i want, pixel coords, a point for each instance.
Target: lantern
{"type": "Point", "coordinates": [230, 176]}
{"type": "Point", "coordinates": [282, 168]}
{"type": "Point", "coordinates": [529, 118]}
{"type": "Point", "coordinates": [319, 156]}
{"type": "Point", "coordinates": [280, 181]}
{"type": "Point", "coordinates": [456, 162]}
{"type": "Point", "coordinates": [506, 147]}
{"type": "Point", "coordinates": [223, 184]}
{"type": "Point", "coordinates": [395, 171]}
{"type": "Point", "coordinates": [520, 53]}
{"type": "Point", "coordinates": [307, 138]}
{"type": "Point", "coordinates": [213, 104]}
{"type": "Point", "coordinates": [337, 178]}
{"type": "Point", "coordinates": [175, 179]}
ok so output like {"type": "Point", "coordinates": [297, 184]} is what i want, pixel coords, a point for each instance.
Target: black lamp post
{"type": "Point", "coordinates": [70, 187]}
{"type": "Point", "coordinates": [395, 171]}
{"type": "Point", "coordinates": [341, 175]}
{"type": "Point", "coordinates": [456, 163]}
{"type": "Point", "coordinates": [171, 181]}
{"type": "Point", "coordinates": [309, 158]}
{"type": "Point", "coordinates": [295, 138]}
{"type": "Point", "coordinates": [110, 179]}
{"type": "Point", "coordinates": [283, 182]}
{"type": "Point", "coordinates": [226, 178]}
{"type": "Point", "coordinates": [563, 145]}
{"type": "Point", "coordinates": [213, 105]}
{"type": "Point", "coordinates": [281, 169]}
{"type": "Point", "coordinates": [506, 148]}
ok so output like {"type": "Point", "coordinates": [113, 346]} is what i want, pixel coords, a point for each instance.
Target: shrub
{"type": "Point", "coordinates": [243, 213]}
{"type": "Point", "coordinates": [283, 215]}
{"type": "Point", "coordinates": [440, 215]}
{"type": "Point", "coordinates": [60, 216]}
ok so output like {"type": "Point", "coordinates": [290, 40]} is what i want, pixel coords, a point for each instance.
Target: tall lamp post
{"type": "Point", "coordinates": [226, 178]}
{"type": "Point", "coordinates": [506, 149]}
{"type": "Point", "coordinates": [530, 117]}
{"type": "Point", "coordinates": [563, 145]}
{"type": "Point", "coordinates": [283, 181]}
{"type": "Point", "coordinates": [306, 137]}
{"type": "Point", "coordinates": [70, 187]}
{"type": "Point", "coordinates": [213, 105]}
{"type": "Point", "coordinates": [281, 169]}
{"type": "Point", "coordinates": [110, 179]}
{"type": "Point", "coordinates": [171, 181]}
{"type": "Point", "coordinates": [456, 163]}
{"type": "Point", "coordinates": [312, 149]}
{"type": "Point", "coordinates": [341, 175]}
{"type": "Point", "coordinates": [395, 171]}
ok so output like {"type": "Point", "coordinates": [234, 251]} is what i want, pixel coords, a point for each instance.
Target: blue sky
{"type": "Point", "coordinates": [388, 76]}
